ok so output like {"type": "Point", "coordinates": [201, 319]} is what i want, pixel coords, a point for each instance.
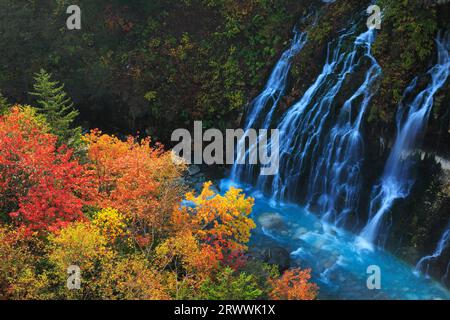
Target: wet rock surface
{"type": "Point", "coordinates": [272, 221]}
{"type": "Point", "coordinates": [272, 253]}
{"type": "Point", "coordinates": [195, 176]}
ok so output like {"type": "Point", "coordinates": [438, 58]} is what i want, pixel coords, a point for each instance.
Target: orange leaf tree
{"type": "Point", "coordinates": [136, 179]}
{"type": "Point", "coordinates": [294, 285]}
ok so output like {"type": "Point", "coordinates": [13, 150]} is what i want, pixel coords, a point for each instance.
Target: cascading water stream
{"type": "Point", "coordinates": [424, 264]}
{"type": "Point", "coordinates": [327, 171]}
{"type": "Point", "coordinates": [398, 179]}
{"type": "Point", "coordinates": [268, 99]}
{"type": "Point", "coordinates": [302, 127]}
{"type": "Point", "coordinates": [330, 169]}
{"type": "Point", "coordinates": [336, 176]}
{"type": "Point", "coordinates": [276, 85]}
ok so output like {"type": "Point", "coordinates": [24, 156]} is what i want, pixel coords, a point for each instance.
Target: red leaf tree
{"type": "Point", "coordinates": [41, 187]}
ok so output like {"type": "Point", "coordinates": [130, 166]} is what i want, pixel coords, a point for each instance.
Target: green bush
{"type": "Point", "coordinates": [229, 285]}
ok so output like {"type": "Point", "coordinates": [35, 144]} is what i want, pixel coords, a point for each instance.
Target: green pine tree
{"type": "Point", "coordinates": [4, 104]}
{"type": "Point", "coordinates": [57, 108]}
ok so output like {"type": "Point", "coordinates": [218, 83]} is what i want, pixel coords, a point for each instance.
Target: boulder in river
{"type": "Point", "coordinates": [274, 255]}
{"type": "Point", "coordinates": [272, 221]}
{"type": "Point", "coordinates": [299, 232]}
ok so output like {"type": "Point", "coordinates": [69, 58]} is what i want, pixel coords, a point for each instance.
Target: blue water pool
{"type": "Point", "coordinates": [339, 260]}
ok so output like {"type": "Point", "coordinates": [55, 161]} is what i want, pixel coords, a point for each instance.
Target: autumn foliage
{"type": "Point", "coordinates": [119, 210]}
{"type": "Point", "coordinates": [208, 232]}
{"type": "Point", "coordinates": [220, 223]}
{"type": "Point", "coordinates": [137, 180]}
{"type": "Point", "coordinates": [41, 186]}
{"type": "Point", "coordinates": [294, 285]}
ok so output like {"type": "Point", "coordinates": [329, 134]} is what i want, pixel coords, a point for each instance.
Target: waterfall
{"type": "Point", "coordinates": [336, 176]}
{"type": "Point", "coordinates": [398, 179]}
{"type": "Point", "coordinates": [321, 149]}
{"type": "Point", "coordinates": [309, 165]}
{"type": "Point", "coordinates": [302, 126]}
{"type": "Point", "coordinates": [265, 103]}
{"type": "Point", "coordinates": [424, 264]}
